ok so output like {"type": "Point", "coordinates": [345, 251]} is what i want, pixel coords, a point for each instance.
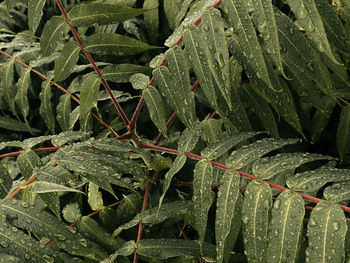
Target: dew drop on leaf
{"type": "Point", "coordinates": [277, 204]}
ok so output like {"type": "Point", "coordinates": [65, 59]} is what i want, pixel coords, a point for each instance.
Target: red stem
{"type": "Point", "coordinates": [92, 62]}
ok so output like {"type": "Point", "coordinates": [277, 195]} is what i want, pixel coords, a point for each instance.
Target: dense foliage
{"type": "Point", "coordinates": [240, 153]}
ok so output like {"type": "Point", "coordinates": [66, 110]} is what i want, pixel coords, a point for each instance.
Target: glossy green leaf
{"type": "Point", "coordinates": [122, 72]}
{"type": "Point", "coordinates": [63, 110]}
{"type": "Point", "coordinates": [156, 108]}
{"type": "Point", "coordinates": [202, 180]}
{"type": "Point", "coordinates": [152, 19]}
{"type": "Point", "coordinates": [35, 12]}
{"type": "Point", "coordinates": [46, 187]}
{"type": "Point", "coordinates": [55, 29]}
{"type": "Point", "coordinates": [178, 163]}
{"type": "Point", "coordinates": [264, 19]}
{"type": "Point", "coordinates": [27, 161]}
{"type": "Point", "coordinates": [88, 97]}
{"type": "Point", "coordinates": [45, 225]}
{"type": "Point", "coordinates": [166, 248]}
{"type": "Point", "coordinates": [7, 85]}
{"type": "Point", "coordinates": [69, 136]}
{"type": "Point", "coordinates": [200, 63]}
{"type": "Point", "coordinates": [228, 196]}
{"type": "Point", "coordinates": [15, 125]}
{"type": "Point", "coordinates": [311, 181]}
{"type": "Point", "coordinates": [28, 250]}
{"type": "Point", "coordinates": [218, 55]}
{"type": "Point", "coordinates": [266, 168]}
{"type": "Point", "coordinates": [337, 192]}
{"type": "Point", "coordinates": [285, 229]}
{"type": "Point", "coordinates": [224, 145]}
{"type": "Point", "coordinates": [114, 44]}
{"type": "Point", "coordinates": [95, 199]}
{"type": "Point", "coordinates": [212, 130]}
{"type": "Point", "coordinates": [33, 141]}
{"type": "Point", "coordinates": [177, 209]}
{"type": "Point", "coordinates": [255, 216]}
{"type": "Point", "coordinates": [5, 182]}
{"type": "Point", "coordinates": [326, 232]}
{"type": "Point", "coordinates": [127, 249]}
{"type": "Point", "coordinates": [139, 81]}
{"type": "Point", "coordinates": [23, 85]}
{"type": "Point", "coordinates": [67, 60]}
{"type": "Point", "coordinates": [46, 106]}
{"type": "Point", "coordinates": [243, 27]}
{"type": "Point", "coordinates": [52, 201]}
{"type": "Point", "coordinates": [10, 144]}
{"type": "Point", "coordinates": [249, 153]}
{"type": "Point", "coordinates": [71, 212]}
{"type": "Point", "coordinates": [102, 14]}
{"type": "Point", "coordinates": [343, 134]}
{"type": "Point", "coordinates": [54, 174]}
{"type": "Point", "coordinates": [310, 20]}
{"type": "Point", "coordinates": [189, 137]}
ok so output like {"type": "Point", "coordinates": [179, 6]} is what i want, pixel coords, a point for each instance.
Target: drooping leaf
{"type": "Point", "coordinates": [219, 148]}
{"type": "Point", "coordinates": [202, 179]}
{"type": "Point", "coordinates": [28, 250]}
{"type": "Point", "coordinates": [88, 97]}
{"type": "Point", "coordinates": [45, 225]}
{"type": "Point", "coordinates": [310, 20]}
{"type": "Point", "coordinates": [248, 153]}
{"type": "Point", "coordinates": [266, 168]}
{"type": "Point", "coordinates": [166, 248]}
{"type": "Point", "coordinates": [46, 106]}
{"type": "Point", "coordinates": [255, 216]}
{"type": "Point", "coordinates": [27, 161]}
{"type": "Point", "coordinates": [114, 44]}
{"type": "Point", "coordinates": [156, 108]}
{"type": "Point", "coordinates": [46, 187]}
{"type": "Point", "coordinates": [337, 192]}
{"type": "Point", "coordinates": [5, 182]}
{"type": "Point", "coordinates": [285, 229]}
{"type": "Point", "coordinates": [177, 209]}
{"type": "Point", "coordinates": [8, 88]}
{"type": "Point", "coordinates": [326, 232]}
{"type": "Point", "coordinates": [15, 125]}
{"type": "Point", "coordinates": [67, 60]}
{"type": "Point", "coordinates": [151, 18]}
{"type": "Point", "coordinates": [55, 29]}
{"type": "Point", "coordinates": [33, 141]}
{"type": "Point", "coordinates": [120, 73]}
{"type": "Point", "coordinates": [102, 14]}
{"type": "Point", "coordinates": [95, 199]}
{"type": "Point", "coordinates": [311, 181]}
{"type": "Point", "coordinates": [189, 137]}
{"type": "Point", "coordinates": [63, 111]}
{"type": "Point", "coordinates": [21, 98]}
{"type": "Point", "coordinates": [343, 134]}
{"type": "Point", "coordinates": [35, 12]}
{"type": "Point", "coordinates": [200, 64]}
{"type": "Point", "coordinates": [228, 196]}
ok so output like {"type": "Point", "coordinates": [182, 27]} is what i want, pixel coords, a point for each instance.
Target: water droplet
{"type": "Point", "coordinates": [245, 219]}
{"type": "Point", "coordinates": [310, 66]}
{"type": "Point", "coordinates": [83, 242]}
{"type": "Point", "coordinates": [4, 244]}
{"type": "Point", "coordinates": [310, 26]}
{"type": "Point", "coordinates": [277, 204]}
{"type": "Point", "coordinates": [301, 11]}
{"type": "Point", "coordinates": [335, 225]}
{"type": "Point", "coordinates": [321, 47]}
{"type": "Point", "coordinates": [24, 204]}
{"type": "Point", "coordinates": [291, 30]}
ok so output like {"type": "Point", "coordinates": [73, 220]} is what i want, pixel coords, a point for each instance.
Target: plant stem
{"type": "Point", "coordinates": [92, 62]}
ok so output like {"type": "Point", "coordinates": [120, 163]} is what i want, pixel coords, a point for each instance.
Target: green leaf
{"type": "Point", "coordinates": [337, 192]}
{"type": "Point", "coordinates": [218, 55]}
{"type": "Point", "coordinates": [5, 182]}
{"type": "Point", "coordinates": [27, 161]}
{"type": "Point", "coordinates": [343, 134]}
{"type": "Point", "coordinates": [189, 137]}
{"type": "Point", "coordinates": [139, 81]}
{"type": "Point", "coordinates": [67, 60]}
{"type": "Point", "coordinates": [224, 145]}
{"type": "Point", "coordinates": [55, 29]}
{"type": "Point", "coordinates": [178, 163]}
{"type": "Point", "coordinates": [264, 19]}
{"type": "Point", "coordinates": [46, 106]}
{"type": "Point", "coordinates": [151, 19]}
{"type": "Point", "coordinates": [102, 14]}
{"type": "Point", "coordinates": [177, 209]}
{"type": "Point", "coordinates": [9, 258]}
{"type": "Point", "coordinates": [166, 248]}
{"type": "Point", "coordinates": [7, 85]}
{"type": "Point", "coordinates": [126, 250]}
{"type": "Point", "coordinates": [156, 108]}
{"type": "Point", "coordinates": [261, 109]}
{"type": "Point", "coordinates": [249, 153]}
{"type": "Point", "coordinates": [69, 136]}
{"type": "Point", "coordinates": [54, 174]}
{"type": "Point", "coordinates": [202, 179]}
{"type": "Point", "coordinates": [52, 202]}
{"type": "Point", "coordinates": [88, 97]}
{"type": "Point", "coordinates": [121, 73]}
{"type": "Point", "coordinates": [28, 249]}
{"type": "Point", "coordinates": [255, 216]}
{"type": "Point", "coordinates": [226, 212]}
{"type": "Point", "coordinates": [10, 144]}
{"type": "Point", "coordinates": [92, 230]}
{"type": "Point", "coordinates": [196, 49]}
{"type": "Point", "coordinates": [310, 20]}
{"type": "Point", "coordinates": [15, 125]}
{"type": "Point", "coordinates": [114, 44]}
{"type": "Point", "coordinates": [35, 12]}
{"type": "Point", "coordinates": [71, 212]}
{"type": "Point", "coordinates": [311, 181]}
{"type": "Point", "coordinates": [33, 141]}
{"type": "Point", "coordinates": [46, 187]}
{"type": "Point", "coordinates": [243, 27]}
{"type": "Point", "coordinates": [286, 227]}
{"type": "Point", "coordinates": [212, 130]}
{"type": "Point", "coordinates": [45, 225]}
{"type": "Point", "coordinates": [63, 111]}
{"type": "Point", "coordinates": [266, 168]}
{"type": "Point", "coordinates": [326, 232]}
{"type": "Point", "coordinates": [95, 199]}
{"type": "Point", "coordinates": [21, 98]}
